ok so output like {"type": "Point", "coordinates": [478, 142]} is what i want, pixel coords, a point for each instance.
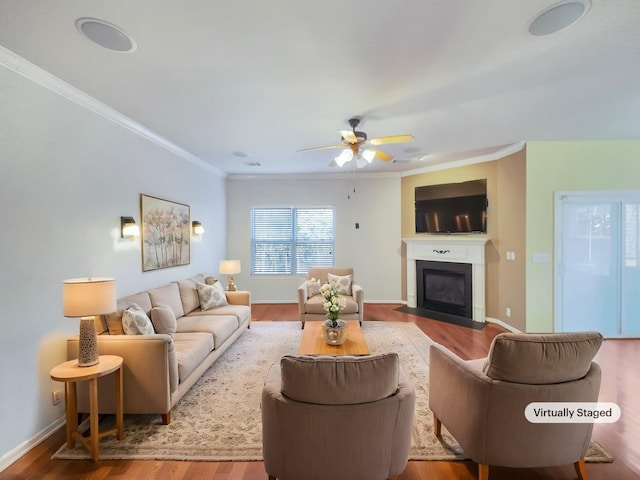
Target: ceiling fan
{"type": "Point", "coordinates": [356, 146]}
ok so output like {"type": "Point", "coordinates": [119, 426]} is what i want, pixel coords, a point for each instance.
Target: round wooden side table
{"type": "Point", "coordinates": [70, 373]}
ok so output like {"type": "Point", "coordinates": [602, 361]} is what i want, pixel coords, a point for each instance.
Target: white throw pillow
{"type": "Point", "coordinates": [136, 322]}
{"type": "Point", "coordinates": [313, 287]}
{"type": "Point", "coordinates": [343, 284]}
{"type": "Point", "coordinates": [211, 295]}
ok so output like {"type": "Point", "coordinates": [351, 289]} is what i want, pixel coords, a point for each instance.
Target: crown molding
{"type": "Point", "coordinates": [313, 176]}
{"type": "Point", "coordinates": [32, 72]}
{"type": "Point", "coordinates": [498, 154]}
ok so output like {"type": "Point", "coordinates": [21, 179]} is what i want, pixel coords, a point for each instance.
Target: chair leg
{"type": "Point", "coordinates": [581, 469]}
{"type": "Point", "coordinates": [483, 471]}
{"type": "Point", "coordinates": [437, 426]}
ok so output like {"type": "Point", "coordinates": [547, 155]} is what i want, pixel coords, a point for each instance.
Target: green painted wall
{"type": "Point", "coordinates": [565, 166]}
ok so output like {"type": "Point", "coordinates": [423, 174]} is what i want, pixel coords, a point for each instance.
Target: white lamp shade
{"type": "Point", "coordinates": [344, 157]}
{"type": "Point", "coordinates": [230, 267]}
{"type": "Point", "coordinates": [369, 155]}
{"type": "Point", "coordinates": [83, 297]}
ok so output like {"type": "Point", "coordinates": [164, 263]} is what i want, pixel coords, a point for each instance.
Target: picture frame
{"type": "Point", "coordinates": [166, 233]}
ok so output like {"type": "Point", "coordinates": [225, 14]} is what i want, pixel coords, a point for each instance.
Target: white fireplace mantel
{"type": "Point", "coordinates": [449, 248]}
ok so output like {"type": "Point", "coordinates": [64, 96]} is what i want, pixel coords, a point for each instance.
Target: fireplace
{"type": "Point", "coordinates": [444, 289]}
{"type": "Point", "coordinates": [449, 250]}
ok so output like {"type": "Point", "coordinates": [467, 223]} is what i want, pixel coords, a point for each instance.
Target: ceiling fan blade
{"type": "Point", "coordinates": [349, 136]}
{"type": "Point", "coordinates": [392, 139]}
{"type": "Point", "coordinates": [342, 145]}
{"type": "Point", "coordinates": [384, 156]}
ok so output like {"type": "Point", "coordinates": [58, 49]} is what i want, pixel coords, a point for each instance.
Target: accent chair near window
{"type": "Point", "coordinates": [310, 302]}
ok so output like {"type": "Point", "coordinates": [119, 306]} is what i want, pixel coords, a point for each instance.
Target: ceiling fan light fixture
{"type": "Point", "coordinates": [369, 155]}
{"type": "Point", "coordinates": [345, 156]}
{"type": "Point", "coordinates": [360, 162]}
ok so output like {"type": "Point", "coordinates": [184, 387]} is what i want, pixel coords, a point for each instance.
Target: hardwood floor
{"type": "Point", "coordinates": [620, 384]}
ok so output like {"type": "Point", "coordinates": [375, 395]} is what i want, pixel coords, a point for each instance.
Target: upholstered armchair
{"type": "Point", "coordinates": [336, 417]}
{"type": "Point", "coordinates": [310, 301]}
{"type": "Point", "coordinates": [482, 402]}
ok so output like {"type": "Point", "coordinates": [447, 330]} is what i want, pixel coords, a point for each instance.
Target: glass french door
{"type": "Point", "coordinates": [598, 264]}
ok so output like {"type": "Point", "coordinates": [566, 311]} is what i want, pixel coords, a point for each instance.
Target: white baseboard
{"type": "Point", "coordinates": [11, 456]}
{"type": "Point", "coordinates": [503, 324]}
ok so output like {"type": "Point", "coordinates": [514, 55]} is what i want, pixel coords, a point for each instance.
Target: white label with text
{"type": "Point", "coordinates": [572, 412]}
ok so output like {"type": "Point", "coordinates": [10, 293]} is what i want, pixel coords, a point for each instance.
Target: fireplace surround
{"type": "Point", "coordinates": [448, 249]}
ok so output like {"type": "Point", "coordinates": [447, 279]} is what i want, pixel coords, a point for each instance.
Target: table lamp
{"type": "Point", "coordinates": [230, 267]}
{"type": "Point", "coordinates": [86, 298]}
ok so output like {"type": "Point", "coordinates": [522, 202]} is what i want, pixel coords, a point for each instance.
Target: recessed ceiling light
{"type": "Point", "coordinates": [241, 154]}
{"type": "Point", "coordinates": [105, 34]}
{"type": "Point", "coordinates": [412, 150]}
{"type": "Point", "coordinates": [558, 17]}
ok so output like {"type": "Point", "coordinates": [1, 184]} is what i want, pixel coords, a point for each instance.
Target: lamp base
{"type": "Point", "coordinates": [231, 287]}
{"type": "Point", "coordinates": [88, 344]}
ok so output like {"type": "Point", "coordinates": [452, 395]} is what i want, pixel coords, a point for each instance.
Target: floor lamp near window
{"type": "Point", "coordinates": [86, 298]}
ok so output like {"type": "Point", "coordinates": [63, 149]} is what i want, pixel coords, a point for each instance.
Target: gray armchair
{"type": "Point", "coordinates": [482, 402]}
{"type": "Point", "coordinates": [337, 417]}
{"type": "Point", "coordinates": [310, 302]}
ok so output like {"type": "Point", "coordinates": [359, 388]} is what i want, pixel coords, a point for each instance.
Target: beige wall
{"type": "Point", "coordinates": [505, 280]}
{"type": "Point", "coordinates": [566, 166]}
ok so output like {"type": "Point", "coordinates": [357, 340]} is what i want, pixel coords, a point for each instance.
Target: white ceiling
{"type": "Point", "coordinates": [269, 77]}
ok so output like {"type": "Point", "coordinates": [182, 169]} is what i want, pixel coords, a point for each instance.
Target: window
{"type": "Point", "coordinates": [289, 240]}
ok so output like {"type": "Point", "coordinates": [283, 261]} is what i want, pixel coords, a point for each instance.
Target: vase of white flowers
{"type": "Point", "coordinates": [334, 329]}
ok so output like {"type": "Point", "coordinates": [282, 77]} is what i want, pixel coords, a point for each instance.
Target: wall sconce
{"type": "Point", "coordinates": [198, 229]}
{"type": "Point", "coordinates": [128, 227]}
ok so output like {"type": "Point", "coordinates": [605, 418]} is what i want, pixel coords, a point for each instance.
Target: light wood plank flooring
{"type": "Point", "coordinates": [621, 384]}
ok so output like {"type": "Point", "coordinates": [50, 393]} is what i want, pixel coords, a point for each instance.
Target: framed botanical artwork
{"type": "Point", "coordinates": [166, 236]}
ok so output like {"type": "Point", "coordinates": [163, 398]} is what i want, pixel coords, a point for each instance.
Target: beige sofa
{"type": "Point", "coordinates": [310, 303]}
{"type": "Point", "coordinates": [160, 368]}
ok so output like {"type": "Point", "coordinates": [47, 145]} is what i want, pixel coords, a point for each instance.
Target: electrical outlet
{"type": "Point", "coordinates": [56, 396]}
{"type": "Point", "coordinates": [508, 312]}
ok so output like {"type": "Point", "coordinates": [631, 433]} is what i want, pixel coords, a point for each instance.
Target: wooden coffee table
{"type": "Point", "coordinates": [313, 343]}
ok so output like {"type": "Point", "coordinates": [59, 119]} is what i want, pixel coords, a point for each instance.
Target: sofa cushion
{"type": "Point", "coordinates": [316, 305]}
{"type": "Point", "coordinates": [221, 327]}
{"type": "Point", "coordinates": [343, 283]}
{"type": "Point", "coordinates": [167, 295]}
{"type": "Point", "coordinates": [339, 380]}
{"type": "Point", "coordinates": [164, 320]}
{"type": "Point", "coordinates": [211, 295]}
{"type": "Point", "coordinates": [136, 322]}
{"type": "Point", "coordinates": [114, 320]}
{"type": "Point", "coordinates": [241, 312]}
{"type": "Point", "coordinates": [313, 287]}
{"type": "Point", "coordinates": [540, 359]}
{"type": "Point", "coordinates": [191, 350]}
{"type": "Point", "coordinates": [188, 295]}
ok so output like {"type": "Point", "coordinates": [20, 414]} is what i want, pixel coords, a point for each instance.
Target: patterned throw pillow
{"type": "Point", "coordinates": [313, 287]}
{"type": "Point", "coordinates": [211, 295]}
{"type": "Point", "coordinates": [342, 283]}
{"type": "Point", "coordinates": [136, 322]}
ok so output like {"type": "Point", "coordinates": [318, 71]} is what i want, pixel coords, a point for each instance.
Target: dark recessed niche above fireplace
{"type": "Point", "coordinates": [444, 289]}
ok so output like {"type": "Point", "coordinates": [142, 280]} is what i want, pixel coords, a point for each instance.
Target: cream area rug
{"type": "Point", "coordinates": [219, 418]}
